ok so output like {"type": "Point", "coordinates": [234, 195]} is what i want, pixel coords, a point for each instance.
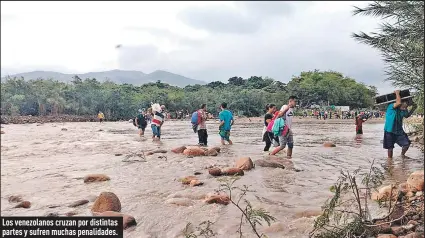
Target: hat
{"type": "Point", "coordinates": [140, 110]}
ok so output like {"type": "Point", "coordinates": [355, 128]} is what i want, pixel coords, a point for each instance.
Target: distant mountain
{"type": "Point", "coordinates": [117, 76]}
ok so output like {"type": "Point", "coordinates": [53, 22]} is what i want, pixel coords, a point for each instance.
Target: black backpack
{"type": "Point", "coordinates": [142, 123]}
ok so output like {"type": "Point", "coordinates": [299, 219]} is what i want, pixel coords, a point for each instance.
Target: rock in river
{"type": "Point", "coordinates": [194, 151]}
{"type": "Point", "coordinates": [215, 171]}
{"type": "Point", "coordinates": [127, 219]}
{"type": "Point", "coordinates": [96, 178]}
{"type": "Point", "coordinates": [220, 199]}
{"type": "Point", "coordinates": [233, 171]}
{"type": "Point", "coordinates": [15, 198]}
{"type": "Point", "coordinates": [329, 144]}
{"type": "Point", "coordinates": [24, 204]}
{"type": "Point", "coordinates": [179, 150]}
{"type": "Point", "coordinates": [106, 201]}
{"type": "Point", "coordinates": [416, 180]}
{"type": "Point", "coordinates": [244, 163]}
{"type": "Point", "coordinates": [211, 152]}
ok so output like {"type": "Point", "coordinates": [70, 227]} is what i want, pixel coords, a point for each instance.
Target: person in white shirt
{"type": "Point", "coordinates": [287, 112]}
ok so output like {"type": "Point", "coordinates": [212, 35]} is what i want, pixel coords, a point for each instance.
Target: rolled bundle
{"type": "Point", "coordinates": [156, 107]}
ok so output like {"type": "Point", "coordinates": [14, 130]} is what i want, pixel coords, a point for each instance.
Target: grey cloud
{"type": "Point", "coordinates": [304, 45]}
{"type": "Point", "coordinates": [246, 18]}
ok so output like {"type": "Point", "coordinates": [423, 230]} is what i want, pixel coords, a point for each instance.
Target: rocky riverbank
{"type": "Point", "coordinates": [45, 119]}
{"type": "Point", "coordinates": [407, 210]}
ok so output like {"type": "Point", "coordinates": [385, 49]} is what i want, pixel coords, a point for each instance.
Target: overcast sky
{"type": "Point", "coordinates": [202, 40]}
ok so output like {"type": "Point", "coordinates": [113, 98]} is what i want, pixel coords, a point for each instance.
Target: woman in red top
{"type": "Point", "coordinates": [359, 124]}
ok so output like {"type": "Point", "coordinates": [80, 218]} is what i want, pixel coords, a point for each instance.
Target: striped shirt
{"type": "Point", "coordinates": [158, 118]}
{"type": "Point", "coordinates": [202, 120]}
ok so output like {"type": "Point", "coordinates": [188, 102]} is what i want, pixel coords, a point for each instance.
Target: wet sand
{"type": "Point", "coordinates": [45, 165]}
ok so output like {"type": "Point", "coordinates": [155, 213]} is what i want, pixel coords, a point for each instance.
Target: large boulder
{"type": "Point", "coordinates": [127, 219]}
{"type": "Point", "coordinates": [244, 163]}
{"type": "Point", "coordinates": [96, 178]}
{"type": "Point", "coordinates": [416, 180]}
{"type": "Point", "coordinates": [194, 151]}
{"type": "Point", "coordinates": [179, 150]}
{"type": "Point", "coordinates": [106, 201]}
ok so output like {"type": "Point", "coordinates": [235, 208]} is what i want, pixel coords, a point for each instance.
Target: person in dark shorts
{"type": "Point", "coordinates": [393, 129]}
{"type": "Point", "coordinates": [226, 122]}
{"type": "Point", "coordinates": [202, 126]}
{"type": "Point", "coordinates": [268, 136]}
{"type": "Point", "coordinates": [141, 122]}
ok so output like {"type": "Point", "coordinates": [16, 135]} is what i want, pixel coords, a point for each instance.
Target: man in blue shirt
{"type": "Point", "coordinates": [393, 129]}
{"type": "Point", "coordinates": [226, 122]}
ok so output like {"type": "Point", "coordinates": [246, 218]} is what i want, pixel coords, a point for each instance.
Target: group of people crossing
{"type": "Point", "coordinates": [278, 130]}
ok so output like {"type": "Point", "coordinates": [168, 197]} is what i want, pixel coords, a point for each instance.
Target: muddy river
{"type": "Point", "coordinates": [45, 164]}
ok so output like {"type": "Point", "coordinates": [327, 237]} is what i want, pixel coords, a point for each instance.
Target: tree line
{"type": "Point", "coordinates": [245, 97]}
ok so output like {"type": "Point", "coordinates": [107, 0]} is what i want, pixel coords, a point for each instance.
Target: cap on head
{"type": "Point", "coordinates": [140, 110]}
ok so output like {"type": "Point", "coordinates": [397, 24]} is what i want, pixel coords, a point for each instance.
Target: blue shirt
{"type": "Point", "coordinates": [227, 117]}
{"type": "Point", "coordinates": [394, 119]}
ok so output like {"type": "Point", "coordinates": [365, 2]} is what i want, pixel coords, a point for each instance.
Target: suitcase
{"type": "Point", "coordinates": [390, 98]}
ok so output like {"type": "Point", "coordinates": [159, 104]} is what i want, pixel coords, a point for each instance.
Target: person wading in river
{"type": "Point", "coordinates": [157, 121]}
{"type": "Point", "coordinates": [141, 122]}
{"type": "Point", "coordinates": [287, 113]}
{"type": "Point", "coordinates": [268, 136]}
{"type": "Point", "coordinates": [393, 129]}
{"type": "Point", "coordinates": [100, 116]}
{"type": "Point", "coordinates": [202, 127]}
{"type": "Point", "coordinates": [226, 122]}
{"type": "Point", "coordinates": [360, 119]}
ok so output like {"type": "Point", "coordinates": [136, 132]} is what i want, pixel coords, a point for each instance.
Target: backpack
{"type": "Point", "coordinates": [196, 119]}
{"type": "Point", "coordinates": [278, 127]}
{"type": "Point", "coordinates": [142, 123]}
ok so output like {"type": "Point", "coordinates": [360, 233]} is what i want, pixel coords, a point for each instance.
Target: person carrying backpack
{"type": "Point", "coordinates": [141, 122]}
{"type": "Point", "coordinates": [199, 119]}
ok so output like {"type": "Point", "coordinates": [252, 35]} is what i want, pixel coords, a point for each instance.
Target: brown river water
{"type": "Point", "coordinates": [45, 165]}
